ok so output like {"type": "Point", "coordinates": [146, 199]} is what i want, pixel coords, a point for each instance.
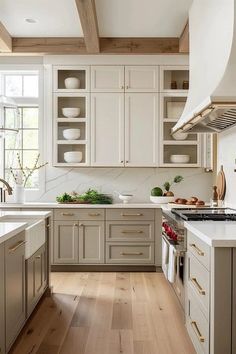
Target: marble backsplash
{"type": "Point", "coordinates": [136, 181]}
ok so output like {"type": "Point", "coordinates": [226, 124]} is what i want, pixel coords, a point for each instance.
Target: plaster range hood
{"type": "Point", "coordinates": [211, 102]}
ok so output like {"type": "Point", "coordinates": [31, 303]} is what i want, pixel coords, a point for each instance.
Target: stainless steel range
{"type": "Point", "coordinates": [174, 240]}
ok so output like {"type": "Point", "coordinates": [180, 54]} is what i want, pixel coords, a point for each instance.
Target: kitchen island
{"type": "Point", "coordinates": [24, 269]}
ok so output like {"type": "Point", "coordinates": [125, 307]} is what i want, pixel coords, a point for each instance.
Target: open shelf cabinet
{"type": "Point", "coordinates": [61, 73]}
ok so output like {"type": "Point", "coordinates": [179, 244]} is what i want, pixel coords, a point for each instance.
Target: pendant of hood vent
{"type": "Point", "coordinates": [211, 102]}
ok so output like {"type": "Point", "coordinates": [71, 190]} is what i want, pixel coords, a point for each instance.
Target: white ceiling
{"type": "Point", "coordinates": [142, 18]}
{"type": "Point", "coordinates": [116, 18]}
{"type": "Point", "coordinates": [55, 18]}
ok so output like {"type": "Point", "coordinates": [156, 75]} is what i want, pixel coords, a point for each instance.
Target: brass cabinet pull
{"type": "Point", "coordinates": [38, 257]}
{"type": "Point", "coordinates": [15, 247]}
{"type": "Point", "coordinates": [75, 225]}
{"type": "Point", "coordinates": [122, 87]}
{"type": "Point", "coordinates": [199, 252]}
{"type": "Point", "coordinates": [138, 214]}
{"type": "Point", "coordinates": [94, 214]}
{"type": "Point", "coordinates": [131, 253]}
{"type": "Point", "coordinates": [81, 225]}
{"type": "Point", "coordinates": [67, 214]}
{"type": "Point", "coordinates": [198, 286]}
{"type": "Point", "coordinates": [197, 332]}
{"type": "Point", "coordinates": [132, 232]}
{"type": "Point", "coordinates": [127, 87]}
{"type": "Point", "coordinates": [48, 225]}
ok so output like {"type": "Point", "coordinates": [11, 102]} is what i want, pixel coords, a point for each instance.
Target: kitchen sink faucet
{"type": "Point", "coordinates": [3, 191]}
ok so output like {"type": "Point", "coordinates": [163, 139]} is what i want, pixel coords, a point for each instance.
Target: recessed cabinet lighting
{"type": "Point", "coordinates": [30, 20]}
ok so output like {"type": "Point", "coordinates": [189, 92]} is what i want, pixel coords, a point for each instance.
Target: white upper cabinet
{"type": "Point", "coordinates": [107, 78]}
{"type": "Point", "coordinates": [141, 79]}
{"type": "Point", "coordinates": [107, 129]}
{"type": "Point", "coordinates": [141, 129]}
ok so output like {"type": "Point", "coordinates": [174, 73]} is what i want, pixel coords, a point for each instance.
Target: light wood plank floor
{"type": "Point", "coordinates": [107, 313]}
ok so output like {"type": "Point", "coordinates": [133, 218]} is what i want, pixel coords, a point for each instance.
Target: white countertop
{"type": "Point", "coordinates": [52, 205]}
{"type": "Point", "coordinates": [9, 229]}
{"type": "Point", "coordinates": [214, 233]}
{"type": "Point", "coordinates": [10, 224]}
{"type": "Point", "coordinates": [24, 214]}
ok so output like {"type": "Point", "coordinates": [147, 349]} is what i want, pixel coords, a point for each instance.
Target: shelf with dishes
{"type": "Point", "coordinates": [179, 149]}
{"type": "Point", "coordinates": [71, 78]}
{"type": "Point", "coordinates": [174, 79]}
{"type": "Point", "coordinates": [71, 127]}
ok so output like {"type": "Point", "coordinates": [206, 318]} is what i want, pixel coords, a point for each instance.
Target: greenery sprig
{"type": "Point", "coordinates": [30, 171]}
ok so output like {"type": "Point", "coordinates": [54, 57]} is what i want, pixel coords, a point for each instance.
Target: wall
{"type": "Point", "coordinates": [138, 181]}
{"type": "Point", "coordinates": [227, 157]}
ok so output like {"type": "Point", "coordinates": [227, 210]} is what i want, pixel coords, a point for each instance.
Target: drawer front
{"type": "Point", "coordinates": [197, 326]}
{"type": "Point", "coordinates": [130, 214]}
{"type": "Point", "coordinates": [79, 214]}
{"type": "Point", "coordinates": [130, 231]}
{"type": "Point", "coordinates": [200, 249]}
{"type": "Point", "coordinates": [199, 282]}
{"type": "Point", "coordinates": [130, 253]}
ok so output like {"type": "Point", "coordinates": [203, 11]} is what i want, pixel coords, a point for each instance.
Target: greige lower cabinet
{"type": "Point", "coordinates": [2, 301]}
{"type": "Point", "coordinates": [36, 277]}
{"type": "Point", "coordinates": [66, 242]}
{"type": "Point", "coordinates": [78, 242]}
{"type": "Point", "coordinates": [15, 312]}
{"type": "Point", "coordinates": [91, 242]}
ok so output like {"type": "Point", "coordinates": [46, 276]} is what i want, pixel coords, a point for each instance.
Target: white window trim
{"type": "Point", "coordinates": [32, 194]}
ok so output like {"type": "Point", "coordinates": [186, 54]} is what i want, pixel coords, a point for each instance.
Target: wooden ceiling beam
{"type": "Point", "coordinates": [184, 40]}
{"type": "Point", "coordinates": [5, 40]}
{"type": "Point", "coordinates": [142, 45]}
{"type": "Point", "coordinates": [89, 23]}
{"type": "Point", "coordinates": [72, 45]}
{"type": "Point", "coordinates": [50, 45]}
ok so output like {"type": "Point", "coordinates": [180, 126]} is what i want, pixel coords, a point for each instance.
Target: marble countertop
{"type": "Point", "coordinates": [54, 205]}
{"type": "Point", "coordinates": [9, 229]}
{"type": "Point", "coordinates": [10, 224]}
{"type": "Point", "coordinates": [214, 233]}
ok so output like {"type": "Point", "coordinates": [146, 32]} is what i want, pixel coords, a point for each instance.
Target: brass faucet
{"type": "Point", "coordinates": [2, 192]}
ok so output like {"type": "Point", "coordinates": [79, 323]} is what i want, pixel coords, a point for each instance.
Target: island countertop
{"type": "Point", "coordinates": [9, 229]}
{"type": "Point", "coordinates": [214, 233]}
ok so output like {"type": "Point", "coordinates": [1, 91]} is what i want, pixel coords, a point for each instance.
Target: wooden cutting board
{"type": "Point", "coordinates": [221, 183]}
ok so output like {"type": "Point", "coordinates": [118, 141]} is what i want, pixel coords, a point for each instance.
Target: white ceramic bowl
{"type": "Point", "coordinates": [179, 158]}
{"type": "Point", "coordinates": [71, 134]}
{"type": "Point", "coordinates": [73, 156]}
{"type": "Point", "coordinates": [162, 200]}
{"type": "Point", "coordinates": [180, 136]}
{"type": "Point", "coordinates": [72, 83]}
{"type": "Point", "coordinates": [71, 112]}
{"type": "Point", "coordinates": [125, 197]}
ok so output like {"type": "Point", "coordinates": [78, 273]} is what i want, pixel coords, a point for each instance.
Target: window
{"type": "Point", "coordinates": [23, 87]}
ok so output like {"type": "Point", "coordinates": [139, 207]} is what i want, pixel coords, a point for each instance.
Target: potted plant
{"type": "Point", "coordinates": [160, 197]}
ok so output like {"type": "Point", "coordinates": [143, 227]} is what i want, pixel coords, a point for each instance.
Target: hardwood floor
{"type": "Point", "coordinates": [107, 313]}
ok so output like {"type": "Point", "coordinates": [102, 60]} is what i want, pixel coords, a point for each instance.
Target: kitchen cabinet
{"type": "Point", "coordinates": [141, 129]}
{"type": "Point", "coordinates": [14, 286]}
{"type": "Point", "coordinates": [91, 242]}
{"type": "Point", "coordinates": [36, 277]}
{"type": "Point", "coordinates": [66, 242]}
{"type": "Point", "coordinates": [2, 301]}
{"type": "Point", "coordinates": [141, 78]}
{"type": "Point", "coordinates": [138, 126]}
{"type": "Point", "coordinates": [107, 78]}
{"type": "Point", "coordinates": [107, 129]}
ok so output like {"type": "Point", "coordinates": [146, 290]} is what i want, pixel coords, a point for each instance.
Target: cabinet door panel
{"type": "Point", "coordinates": [141, 129]}
{"type": "Point", "coordinates": [107, 78]}
{"type": "Point", "coordinates": [65, 242]}
{"type": "Point", "coordinates": [91, 242]}
{"type": "Point", "coordinates": [107, 129]}
{"type": "Point", "coordinates": [141, 79]}
{"type": "Point", "coordinates": [15, 286]}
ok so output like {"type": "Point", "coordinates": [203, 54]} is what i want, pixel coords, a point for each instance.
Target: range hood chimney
{"type": "Point", "coordinates": [211, 102]}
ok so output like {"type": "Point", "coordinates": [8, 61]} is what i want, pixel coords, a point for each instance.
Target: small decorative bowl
{"type": "Point", "coordinates": [125, 197]}
{"type": "Point", "coordinates": [162, 200]}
